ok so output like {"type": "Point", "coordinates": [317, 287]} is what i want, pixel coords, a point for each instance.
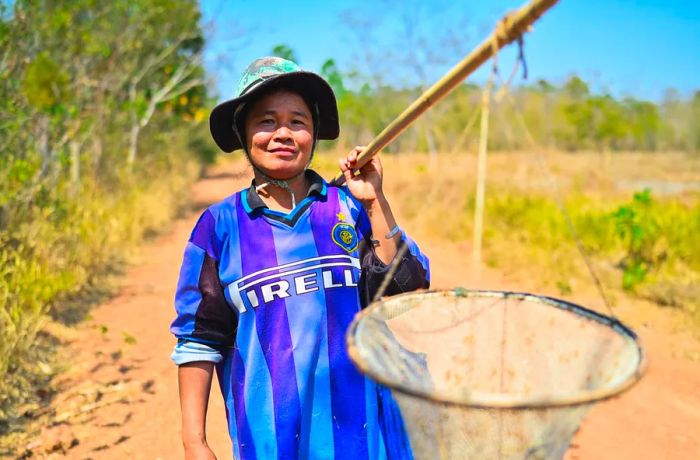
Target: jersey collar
{"type": "Point", "coordinates": [317, 187]}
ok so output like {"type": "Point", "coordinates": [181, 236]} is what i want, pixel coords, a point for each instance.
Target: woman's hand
{"type": "Point", "coordinates": [199, 452]}
{"type": "Point", "coordinates": [367, 185]}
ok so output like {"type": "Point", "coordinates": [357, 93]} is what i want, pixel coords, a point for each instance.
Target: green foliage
{"type": "Point", "coordinates": [76, 77]}
{"type": "Point", "coordinates": [650, 241]}
{"type": "Point", "coordinates": [285, 52]}
{"type": "Point", "coordinates": [44, 83]}
{"type": "Point", "coordinates": [639, 233]}
{"type": "Point", "coordinates": [128, 338]}
{"type": "Point", "coordinates": [330, 71]}
{"type": "Point", "coordinates": [695, 121]}
{"type": "Point", "coordinates": [576, 88]}
{"type": "Point", "coordinates": [569, 117]}
{"type": "Point", "coordinates": [57, 247]}
{"type": "Point", "coordinates": [646, 245]}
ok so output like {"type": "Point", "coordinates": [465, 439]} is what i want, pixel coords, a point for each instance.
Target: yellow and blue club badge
{"type": "Point", "coordinates": [344, 234]}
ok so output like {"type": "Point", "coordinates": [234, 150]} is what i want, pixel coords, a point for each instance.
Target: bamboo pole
{"type": "Point", "coordinates": [481, 177]}
{"type": "Point", "coordinates": [509, 28]}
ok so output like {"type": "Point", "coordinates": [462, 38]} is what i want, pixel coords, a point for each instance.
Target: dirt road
{"type": "Point", "coordinates": [119, 399]}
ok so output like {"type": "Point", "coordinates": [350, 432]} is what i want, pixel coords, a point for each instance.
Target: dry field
{"type": "Point", "coordinates": [118, 396]}
{"type": "Point", "coordinates": [525, 233]}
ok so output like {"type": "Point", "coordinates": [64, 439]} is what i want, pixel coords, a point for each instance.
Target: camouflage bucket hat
{"type": "Point", "coordinates": [263, 75]}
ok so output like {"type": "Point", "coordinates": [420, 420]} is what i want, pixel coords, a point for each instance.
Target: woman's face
{"type": "Point", "coordinates": [279, 134]}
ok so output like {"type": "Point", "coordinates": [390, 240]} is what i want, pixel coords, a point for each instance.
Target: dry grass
{"type": "Point", "coordinates": [55, 259]}
{"type": "Point", "coordinates": [525, 231]}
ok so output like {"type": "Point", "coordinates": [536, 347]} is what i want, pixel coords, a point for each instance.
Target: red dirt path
{"type": "Point", "coordinates": [119, 398]}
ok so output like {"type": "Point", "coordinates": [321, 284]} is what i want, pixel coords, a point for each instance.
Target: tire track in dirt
{"type": "Point", "coordinates": [119, 398]}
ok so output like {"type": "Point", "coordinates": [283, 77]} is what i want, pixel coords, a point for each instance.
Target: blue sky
{"type": "Point", "coordinates": [637, 48]}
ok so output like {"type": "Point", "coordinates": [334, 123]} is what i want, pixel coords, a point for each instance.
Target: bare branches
{"type": "Point", "coordinates": [180, 81]}
{"type": "Point", "coordinates": [176, 85]}
{"type": "Point", "coordinates": [157, 61]}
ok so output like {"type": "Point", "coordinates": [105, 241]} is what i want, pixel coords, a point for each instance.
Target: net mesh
{"type": "Point", "coordinates": [485, 374]}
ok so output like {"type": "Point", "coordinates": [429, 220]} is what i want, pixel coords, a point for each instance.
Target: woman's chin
{"type": "Point", "coordinates": [284, 171]}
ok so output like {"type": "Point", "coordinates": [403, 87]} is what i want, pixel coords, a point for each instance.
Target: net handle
{"type": "Point", "coordinates": [509, 29]}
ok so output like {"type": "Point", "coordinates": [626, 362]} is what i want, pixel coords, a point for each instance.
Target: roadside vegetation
{"type": "Point", "coordinates": [640, 240]}
{"type": "Point", "coordinates": [100, 104]}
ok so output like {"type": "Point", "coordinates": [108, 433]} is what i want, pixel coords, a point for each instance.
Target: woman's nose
{"type": "Point", "coordinates": [283, 133]}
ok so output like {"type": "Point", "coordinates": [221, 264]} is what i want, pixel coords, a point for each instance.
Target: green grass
{"type": "Point", "coordinates": [663, 252]}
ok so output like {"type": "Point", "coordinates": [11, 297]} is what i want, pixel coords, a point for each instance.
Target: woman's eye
{"type": "Point", "coordinates": [267, 121]}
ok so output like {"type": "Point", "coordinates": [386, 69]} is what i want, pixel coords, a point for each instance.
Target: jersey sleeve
{"type": "Point", "coordinates": [412, 273]}
{"type": "Point", "coordinates": [203, 314]}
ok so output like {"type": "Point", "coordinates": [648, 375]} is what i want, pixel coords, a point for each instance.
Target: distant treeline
{"type": "Point", "coordinates": [98, 103]}
{"type": "Point", "coordinates": [568, 117]}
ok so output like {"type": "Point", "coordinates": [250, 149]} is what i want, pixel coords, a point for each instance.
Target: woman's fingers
{"type": "Point", "coordinates": [349, 165]}
{"type": "Point", "coordinates": [348, 175]}
{"type": "Point", "coordinates": [355, 154]}
{"type": "Point", "coordinates": [345, 168]}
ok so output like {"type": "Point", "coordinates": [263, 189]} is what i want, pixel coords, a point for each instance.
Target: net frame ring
{"type": "Point", "coordinates": [377, 311]}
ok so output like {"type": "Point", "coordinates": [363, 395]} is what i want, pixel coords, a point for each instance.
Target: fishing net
{"type": "Point", "coordinates": [490, 375]}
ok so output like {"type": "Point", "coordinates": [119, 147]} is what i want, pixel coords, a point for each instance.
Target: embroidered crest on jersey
{"type": "Point", "coordinates": [345, 236]}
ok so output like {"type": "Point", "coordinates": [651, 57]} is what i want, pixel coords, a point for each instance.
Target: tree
{"type": "Point", "coordinates": [330, 71]}
{"type": "Point", "coordinates": [643, 121]}
{"type": "Point", "coordinates": [66, 67]}
{"type": "Point", "coordinates": [173, 67]}
{"type": "Point", "coordinates": [285, 52]}
{"type": "Point", "coordinates": [694, 122]}
{"type": "Point", "coordinates": [609, 127]}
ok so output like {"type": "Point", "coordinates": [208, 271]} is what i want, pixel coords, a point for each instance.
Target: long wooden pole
{"type": "Point", "coordinates": [481, 177]}
{"type": "Point", "coordinates": [511, 27]}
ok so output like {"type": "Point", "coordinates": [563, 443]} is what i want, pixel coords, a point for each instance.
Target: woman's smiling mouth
{"type": "Point", "coordinates": [284, 151]}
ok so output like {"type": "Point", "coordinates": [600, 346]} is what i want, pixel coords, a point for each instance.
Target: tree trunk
{"type": "Point", "coordinates": [97, 152]}
{"type": "Point", "coordinates": [135, 128]}
{"type": "Point", "coordinates": [97, 144]}
{"type": "Point", "coordinates": [43, 144]}
{"type": "Point", "coordinates": [74, 148]}
{"type": "Point", "coordinates": [133, 143]}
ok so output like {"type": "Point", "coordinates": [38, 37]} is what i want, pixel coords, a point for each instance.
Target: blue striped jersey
{"type": "Point", "coordinates": [274, 293]}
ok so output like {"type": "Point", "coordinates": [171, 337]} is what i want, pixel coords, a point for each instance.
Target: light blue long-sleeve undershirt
{"type": "Point", "coordinates": [187, 352]}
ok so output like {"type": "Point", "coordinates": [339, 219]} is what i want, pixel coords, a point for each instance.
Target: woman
{"type": "Point", "coordinates": [273, 275]}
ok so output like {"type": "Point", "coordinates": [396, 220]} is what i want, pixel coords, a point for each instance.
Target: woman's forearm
{"type": "Point", "coordinates": [382, 221]}
{"type": "Point", "coordinates": [367, 188]}
{"type": "Point", "coordinates": [195, 383]}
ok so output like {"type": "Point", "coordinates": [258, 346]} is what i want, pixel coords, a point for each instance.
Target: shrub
{"type": "Point", "coordinates": [54, 246]}
{"type": "Point", "coordinates": [639, 232]}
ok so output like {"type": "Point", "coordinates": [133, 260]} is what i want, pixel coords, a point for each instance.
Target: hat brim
{"type": "Point", "coordinates": [306, 83]}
